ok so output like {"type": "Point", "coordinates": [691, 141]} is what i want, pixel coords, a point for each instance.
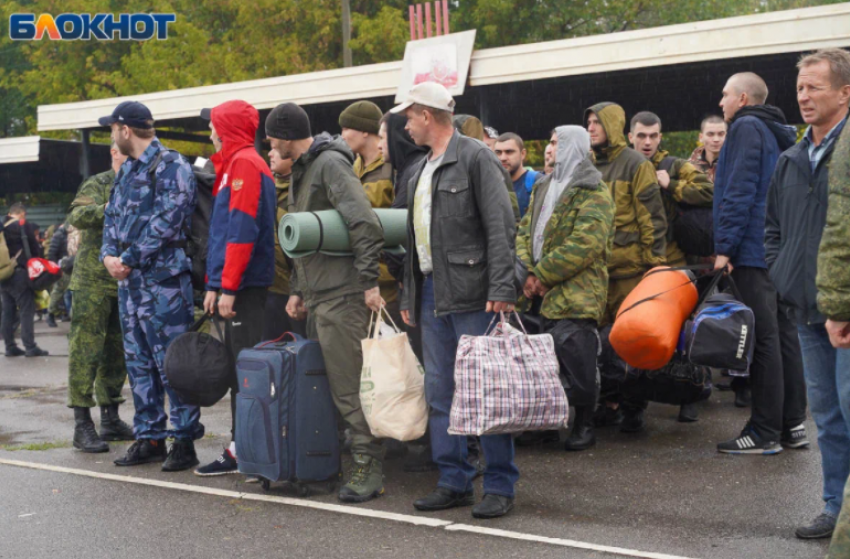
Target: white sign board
{"type": "Point", "coordinates": [444, 59]}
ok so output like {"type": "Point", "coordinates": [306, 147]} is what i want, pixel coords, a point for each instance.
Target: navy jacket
{"type": "Point", "coordinates": [796, 215]}
{"type": "Point", "coordinates": [757, 136]}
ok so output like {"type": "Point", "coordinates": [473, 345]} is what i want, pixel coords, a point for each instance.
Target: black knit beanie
{"type": "Point", "coordinates": [288, 121]}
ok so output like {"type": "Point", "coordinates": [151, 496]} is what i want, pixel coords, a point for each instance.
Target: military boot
{"type": "Point", "coordinates": [582, 436]}
{"type": "Point", "coordinates": [111, 426]}
{"type": "Point", "coordinates": [366, 481]}
{"type": "Point", "coordinates": [85, 437]}
{"type": "Point", "coordinates": [51, 321]}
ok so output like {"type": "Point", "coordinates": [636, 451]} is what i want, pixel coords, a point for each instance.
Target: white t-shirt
{"type": "Point", "coordinates": [422, 215]}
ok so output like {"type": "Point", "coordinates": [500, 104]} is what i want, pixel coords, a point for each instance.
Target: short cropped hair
{"type": "Point", "coordinates": [144, 133]}
{"type": "Point", "coordinates": [17, 208]}
{"type": "Point", "coordinates": [752, 85]}
{"type": "Point", "coordinates": [711, 119]}
{"type": "Point", "coordinates": [646, 118]}
{"type": "Point", "coordinates": [442, 117]}
{"type": "Point", "coordinates": [839, 64]}
{"type": "Point", "coordinates": [511, 136]}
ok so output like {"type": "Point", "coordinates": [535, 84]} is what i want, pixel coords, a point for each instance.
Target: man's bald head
{"type": "Point", "coordinates": [750, 84]}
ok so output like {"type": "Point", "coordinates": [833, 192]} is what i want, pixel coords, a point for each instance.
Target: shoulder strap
{"type": "Point", "coordinates": [667, 163]}
{"type": "Point", "coordinates": [530, 179]}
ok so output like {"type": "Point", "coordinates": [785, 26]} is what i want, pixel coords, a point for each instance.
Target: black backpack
{"type": "Point", "coordinates": [693, 226]}
{"type": "Point", "coordinates": [199, 367]}
{"type": "Point", "coordinates": [197, 237]}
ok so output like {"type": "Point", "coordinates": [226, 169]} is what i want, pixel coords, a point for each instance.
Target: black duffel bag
{"type": "Point", "coordinates": [678, 383]}
{"type": "Point", "coordinates": [693, 230]}
{"type": "Point", "coordinates": [198, 367]}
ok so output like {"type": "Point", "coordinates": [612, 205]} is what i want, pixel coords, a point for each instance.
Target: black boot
{"type": "Point", "coordinates": [85, 437]}
{"type": "Point", "coordinates": [51, 321]}
{"type": "Point", "coordinates": [181, 456]}
{"type": "Point", "coordinates": [582, 436]}
{"type": "Point", "coordinates": [111, 426]}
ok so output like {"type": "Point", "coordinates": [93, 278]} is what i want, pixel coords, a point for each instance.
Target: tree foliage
{"type": "Point", "coordinates": [219, 41]}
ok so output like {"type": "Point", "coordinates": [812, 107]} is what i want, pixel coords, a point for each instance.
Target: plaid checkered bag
{"type": "Point", "coordinates": [507, 382]}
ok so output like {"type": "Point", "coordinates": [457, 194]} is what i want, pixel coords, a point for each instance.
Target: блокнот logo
{"type": "Point", "coordinates": [103, 27]}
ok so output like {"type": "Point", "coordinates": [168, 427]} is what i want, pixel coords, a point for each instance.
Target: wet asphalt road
{"type": "Point", "coordinates": [666, 491]}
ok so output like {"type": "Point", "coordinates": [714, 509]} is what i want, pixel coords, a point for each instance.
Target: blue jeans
{"type": "Point", "coordinates": [439, 340]}
{"type": "Point", "coordinates": [828, 384]}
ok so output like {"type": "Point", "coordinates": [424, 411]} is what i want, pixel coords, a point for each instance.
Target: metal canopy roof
{"type": "Point", "coordinates": [33, 164]}
{"type": "Point", "coordinates": [669, 68]}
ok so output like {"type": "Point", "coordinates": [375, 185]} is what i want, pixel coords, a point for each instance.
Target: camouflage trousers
{"type": "Point", "coordinates": [96, 351]}
{"type": "Point", "coordinates": [152, 315]}
{"type": "Point", "coordinates": [57, 295]}
{"type": "Point", "coordinates": [840, 546]}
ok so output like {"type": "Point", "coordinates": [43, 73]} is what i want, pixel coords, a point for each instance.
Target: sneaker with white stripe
{"type": "Point", "coordinates": [749, 442]}
{"type": "Point", "coordinates": [795, 437]}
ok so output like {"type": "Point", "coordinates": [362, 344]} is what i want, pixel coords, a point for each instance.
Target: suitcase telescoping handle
{"type": "Point", "coordinates": [295, 338]}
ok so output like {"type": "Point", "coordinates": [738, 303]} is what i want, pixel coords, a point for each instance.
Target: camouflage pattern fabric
{"type": "Point", "coordinates": [377, 181]}
{"type": "Point", "coordinates": [142, 222]}
{"type": "Point", "coordinates": [698, 160]}
{"type": "Point", "coordinates": [833, 279]}
{"type": "Point", "coordinates": [281, 266]}
{"type": "Point", "coordinates": [840, 546]}
{"type": "Point", "coordinates": [87, 215]}
{"type": "Point", "coordinates": [577, 242]}
{"type": "Point", "coordinates": [151, 319]}
{"type": "Point", "coordinates": [57, 294]}
{"type": "Point", "coordinates": [96, 351]}
{"type": "Point", "coordinates": [640, 222]}
{"type": "Point", "coordinates": [618, 290]}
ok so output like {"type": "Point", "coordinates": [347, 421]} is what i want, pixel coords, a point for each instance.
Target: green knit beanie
{"type": "Point", "coordinates": [364, 116]}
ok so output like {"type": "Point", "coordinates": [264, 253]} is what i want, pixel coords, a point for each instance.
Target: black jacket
{"type": "Point", "coordinates": [472, 232]}
{"type": "Point", "coordinates": [13, 233]}
{"type": "Point", "coordinates": [405, 157]}
{"type": "Point", "coordinates": [796, 215]}
{"type": "Point", "coordinates": [58, 244]}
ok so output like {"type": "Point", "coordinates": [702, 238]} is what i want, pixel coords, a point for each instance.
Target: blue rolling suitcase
{"type": "Point", "coordinates": [286, 428]}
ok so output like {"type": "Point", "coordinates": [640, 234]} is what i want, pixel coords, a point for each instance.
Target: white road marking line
{"type": "Point", "coordinates": [480, 530]}
{"type": "Point", "coordinates": [343, 509]}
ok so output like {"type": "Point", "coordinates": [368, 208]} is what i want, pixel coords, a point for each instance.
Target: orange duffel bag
{"type": "Point", "coordinates": [648, 324]}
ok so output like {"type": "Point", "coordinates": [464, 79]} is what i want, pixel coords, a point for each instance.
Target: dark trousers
{"type": "Point", "coordinates": [577, 347]}
{"type": "Point", "coordinates": [277, 321]}
{"type": "Point", "coordinates": [766, 377]}
{"type": "Point", "coordinates": [18, 298]}
{"type": "Point", "coordinates": [245, 330]}
{"type": "Point", "coordinates": [794, 378]}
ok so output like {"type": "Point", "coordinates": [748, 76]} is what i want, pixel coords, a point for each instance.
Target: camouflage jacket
{"type": "Point", "coordinates": [281, 264]}
{"type": "Point", "coordinates": [687, 185]}
{"type": "Point", "coordinates": [640, 221]}
{"type": "Point", "coordinates": [833, 279]}
{"type": "Point", "coordinates": [577, 242]}
{"type": "Point", "coordinates": [377, 181]}
{"type": "Point", "coordinates": [144, 220]}
{"type": "Point", "coordinates": [698, 160]}
{"type": "Point", "coordinates": [87, 215]}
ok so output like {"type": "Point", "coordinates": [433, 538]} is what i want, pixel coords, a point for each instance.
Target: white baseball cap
{"type": "Point", "coordinates": [429, 94]}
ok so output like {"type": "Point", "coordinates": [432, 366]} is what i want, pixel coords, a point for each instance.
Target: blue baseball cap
{"type": "Point", "coordinates": [131, 113]}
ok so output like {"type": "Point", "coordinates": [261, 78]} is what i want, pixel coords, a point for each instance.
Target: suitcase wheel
{"type": "Point", "coordinates": [266, 484]}
{"type": "Point", "coordinates": [302, 490]}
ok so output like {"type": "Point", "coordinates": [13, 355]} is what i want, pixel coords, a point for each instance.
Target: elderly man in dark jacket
{"type": "Point", "coordinates": [796, 215]}
{"type": "Point", "coordinates": [757, 135]}
{"type": "Point", "coordinates": [460, 270]}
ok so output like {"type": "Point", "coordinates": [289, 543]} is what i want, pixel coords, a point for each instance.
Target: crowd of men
{"type": "Point", "coordinates": [486, 234]}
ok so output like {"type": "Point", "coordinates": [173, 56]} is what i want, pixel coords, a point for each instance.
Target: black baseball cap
{"type": "Point", "coordinates": [131, 113]}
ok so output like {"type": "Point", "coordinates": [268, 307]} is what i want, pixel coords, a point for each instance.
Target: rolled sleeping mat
{"type": "Point", "coordinates": [306, 233]}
